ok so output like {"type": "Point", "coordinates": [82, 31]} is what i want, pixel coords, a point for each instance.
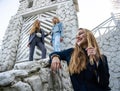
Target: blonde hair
{"type": "Point", "coordinates": [78, 59]}
{"type": "Point", "coordinates": [56, 21]}
{"type": "Point", "coordinates": [35, 26]}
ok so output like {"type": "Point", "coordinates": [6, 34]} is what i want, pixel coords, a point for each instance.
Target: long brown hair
{"type": "Point", "coordinates": [35, 26]}
{"type": "Point", "coordinates": [56, 21]}
{"type": "Point", "coordinates": [78, 58]}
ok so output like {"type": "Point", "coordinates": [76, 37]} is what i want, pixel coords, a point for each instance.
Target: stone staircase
{"type": "Point", "coordinates": [35, 76]}
{"type": "Point", "coordinates": [46, 25]}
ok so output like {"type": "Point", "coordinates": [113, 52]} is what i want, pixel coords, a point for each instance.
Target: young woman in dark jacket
{"type": "Point", "coordinates": [87, 67]}
{"type": "Point", "coordinates": [36, 38]}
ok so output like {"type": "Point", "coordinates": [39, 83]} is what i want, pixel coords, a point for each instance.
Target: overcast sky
{"type": "Point", "coordinates": [8, 8]}
{"type": "Point", "coordinates": [92, 13]}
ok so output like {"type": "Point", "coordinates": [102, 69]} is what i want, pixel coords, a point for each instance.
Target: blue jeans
{"type": "Point", "coordinates": [56, 43]}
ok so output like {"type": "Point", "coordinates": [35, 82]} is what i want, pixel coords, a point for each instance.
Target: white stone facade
{"type": "Point", "coordinates": [10, 43]}
{"type": "Point", "coordinates": [109, 44]}
{"type": "Point", "coordinates": [14, 48]}
{"type": "Point", "coordinates": [18, 74]}
{"type": "Point", "coordinates": [34, 76]}
{"type": "Point", "coordinates": [116, 5]}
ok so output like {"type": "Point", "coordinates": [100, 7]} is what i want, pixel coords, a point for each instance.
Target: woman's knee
{"type": "Point", "coordinates": [44, 49]}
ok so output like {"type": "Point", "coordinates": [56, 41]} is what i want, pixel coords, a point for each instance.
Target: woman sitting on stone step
{"type": "Point", "coordinates": [88, 68]}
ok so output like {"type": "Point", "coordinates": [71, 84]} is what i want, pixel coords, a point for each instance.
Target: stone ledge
{"type": "Point", "coordinates": [35, 75]}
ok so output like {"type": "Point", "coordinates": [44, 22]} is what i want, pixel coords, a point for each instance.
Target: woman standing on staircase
{"type": "Point", "coordinates": [57, 33]}
{"type": "Point", "coordinates": [88, 68]}
{"type": "Point", "coordinates": [36, 38]}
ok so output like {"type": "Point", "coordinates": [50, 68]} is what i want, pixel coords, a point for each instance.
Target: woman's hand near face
{"type": "Point", "coordinates": [55, 65]}
{"type": "Point", "coordinates": [91, 51]}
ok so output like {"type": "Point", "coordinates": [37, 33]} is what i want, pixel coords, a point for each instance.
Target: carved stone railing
{"type": "Point", "coordinates": [116, 18]}
{"type": "Point", "coordinates": [108, 38]}
{"type": "Point", "coordinates": [108, 25]}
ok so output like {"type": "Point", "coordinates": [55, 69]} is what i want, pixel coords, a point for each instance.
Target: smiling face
{"type": "Point", "coordinates": [81, 38]}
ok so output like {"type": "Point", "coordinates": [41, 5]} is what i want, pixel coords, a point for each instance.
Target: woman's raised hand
{"type": "Point", "coordinates": [91, 51]}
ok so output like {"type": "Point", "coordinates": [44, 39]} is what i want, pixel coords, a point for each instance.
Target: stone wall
{"type": "Point", "coordinates": [35, 76]}
{"type": "Point", "coordinates": [67, 14]}
{"type": "Point", "coordinates": [37, 4]}
{"type": "Point", "coordinates": [10, 43]}
{"type": "Point", "coordinates": [109, 45]}
{"type": "Point", "coordinates": [65, 10]}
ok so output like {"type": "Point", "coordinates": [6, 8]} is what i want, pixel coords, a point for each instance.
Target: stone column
{"type": "Point", "coordinates": [10, 43]}
{"type": "Point", "coordinates": [67, 14]}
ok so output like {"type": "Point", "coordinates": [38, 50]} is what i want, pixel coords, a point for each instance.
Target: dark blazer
{"type": "Point", "coordinates": [87, 80]}
{"type": "Point", "coordinates": [32, 36]}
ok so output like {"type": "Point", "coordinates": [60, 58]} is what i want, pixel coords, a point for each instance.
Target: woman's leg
{"type": "Point", "coordinates": [53, 44]}
{"type": "Point", "coordinates": [57, 43]}
{"type": "Point", "coordinates": [42, 48]}
{"type": "Point", "coordinates": [32, 48]}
